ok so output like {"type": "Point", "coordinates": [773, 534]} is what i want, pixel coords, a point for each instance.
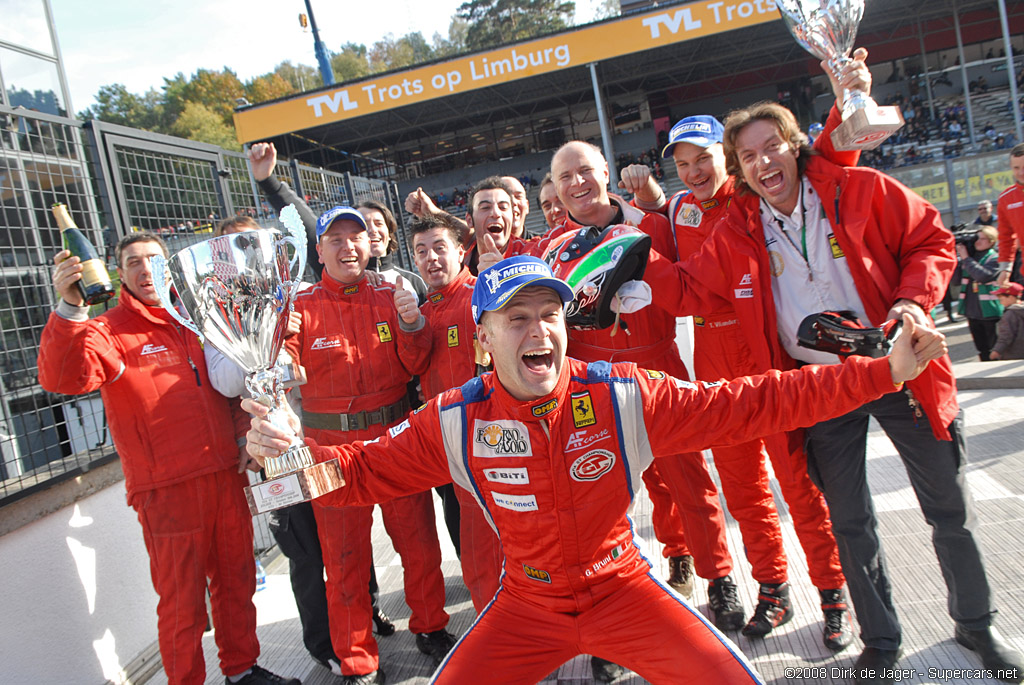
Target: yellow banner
{"type": "Point", "coordinates": [968, 190]}
{"type": "Point", "coordinates": [553, 53]}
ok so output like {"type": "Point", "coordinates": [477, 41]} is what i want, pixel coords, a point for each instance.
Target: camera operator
{"type": "Point", "coordinates": [979, 266]}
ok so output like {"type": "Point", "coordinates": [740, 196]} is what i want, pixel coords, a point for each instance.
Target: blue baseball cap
{"type": "Point", "coordinates": [498, 284]}
{"type": "Point", "coordinates": [335, 213]}
{"type": "Point", "coordinates": [700, 130]}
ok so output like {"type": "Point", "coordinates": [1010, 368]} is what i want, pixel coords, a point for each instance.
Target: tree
{"type": "Point", "coordinates": [350, 63]}
{"type": "Point", "coordinates": [216, 90]}
{"type": "Point", "coordinates": [455, 43]}
{"type": "Point", "coordinates": [199, 122]}
{"type": "Point", "coordinates": [494, 22]}
{"type": "Point", "coordinates": [114, 104]}
{"type": "Point", "coordinates": [390, 53]}
{"type": "Point", "coordinates": [268, 87]}
{"type": "Point", "coordinates": [302, 77]}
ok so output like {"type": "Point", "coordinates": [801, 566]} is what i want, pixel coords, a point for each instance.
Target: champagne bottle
{"type": "Point", "coordinates": [95, 284]}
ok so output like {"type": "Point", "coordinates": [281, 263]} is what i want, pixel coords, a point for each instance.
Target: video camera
{"type": "Point", "coordinates": [965, 234]}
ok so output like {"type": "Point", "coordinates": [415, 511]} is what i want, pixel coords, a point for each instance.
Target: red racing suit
{"type": "Point", "coordinates": [894, 242]}
{"type": "Point", "coordinates": [1010, 211]}
{"type": "Point", "coordinates": [576, 577]}
{"type": "Point", "coordinates": [176, 437]}
{"type": "Point", "coordinates": [721, 351]}
{"type": "Point", "coordinates": [648, 339]}
{"type": "Point", "coordinates": [359, 358]}
{"type": "Point", "coordinates": [452, 363]}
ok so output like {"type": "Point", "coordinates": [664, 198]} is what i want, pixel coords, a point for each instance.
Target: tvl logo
{"type": "Point", "coordinates": [671, 22]}
{"type": "Point", "coordinates": [332, 101]}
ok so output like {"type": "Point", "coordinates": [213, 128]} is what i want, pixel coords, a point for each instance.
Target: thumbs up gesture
{"type": "Point", "coordinates": [489, 255]}
{"type": "Point", "coordinates": [405, 303]}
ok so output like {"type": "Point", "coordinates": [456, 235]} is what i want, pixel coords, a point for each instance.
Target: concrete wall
{"type": "Point", "coordinates": [77, 602]}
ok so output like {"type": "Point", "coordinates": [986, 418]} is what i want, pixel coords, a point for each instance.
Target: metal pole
{"type": "Point", "coordinates": [606, 136]}
{"type": "Point", "coordinates": [1011, 73]}
{"type": "Point", "coordinates": [963, 75]}
{"type": "Point", "coordinates": [924, 65]}
{"type": "Point", "coordinates": [326, 72]}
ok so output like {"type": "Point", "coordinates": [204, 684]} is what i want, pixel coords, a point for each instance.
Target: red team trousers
{"type": "Point", "coordinates": [348, 552]}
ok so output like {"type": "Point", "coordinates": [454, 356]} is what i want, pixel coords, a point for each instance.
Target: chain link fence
{"type": "Point", "coordinates": [114, 180]}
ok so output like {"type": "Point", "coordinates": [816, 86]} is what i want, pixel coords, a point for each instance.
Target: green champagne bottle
{"type": "Point", "coordinates": [95, 285]}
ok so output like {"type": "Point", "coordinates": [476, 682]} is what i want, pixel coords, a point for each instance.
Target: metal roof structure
{"type": "Point", "coordinates": [728, 62]}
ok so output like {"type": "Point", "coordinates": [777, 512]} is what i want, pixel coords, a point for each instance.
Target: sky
{"type": "Point", "coordinates": [138, 43]}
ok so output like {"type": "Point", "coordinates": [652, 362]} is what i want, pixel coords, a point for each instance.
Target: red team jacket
{"type": "Point", "coordinates": [356, 355]}
{"type": "Point", "coordinates": [557, 476]}
{"type": "Point", "coordinates": [167, 421]}
{"type": "Point", "coordinates": [452, 360]}
{"type": "Point", "coordinates": [1011, 222]}
{"type": "Point", "coordinates": [894, 241]}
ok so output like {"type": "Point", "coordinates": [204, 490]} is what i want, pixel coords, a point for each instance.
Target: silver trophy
{"type": "Point", "coordinates": [238, 290]}
{"type": "Point", "coordinates": [827, 29]}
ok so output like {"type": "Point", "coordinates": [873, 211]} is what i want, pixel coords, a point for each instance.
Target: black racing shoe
{"type": "Point", "coordinates": [724, 601]}
{"type": "Point", "coordinates": [772, 610]}
{"type": "Point", "coordinates": [605, 671]}
{"type": "Point", "coordinates": [382, 624]}
{"type": "Point", "coordinates": [375, 678]}
{"type": "Point", "coordinates": [838, 632]}
{"type": "Point", "coordinates": [996, 654]}
{"type": "Point", "coordinates": [680, 575]}
{"type": "Point", "coordinates": [258, 675]}
{"type": "Point", "coordinates": [436, 644]}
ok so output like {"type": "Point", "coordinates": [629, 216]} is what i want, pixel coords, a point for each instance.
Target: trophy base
{"type": "Point", "coordinates": [865, 129]}
{"type": "Point", "coordinates": [297, 486]}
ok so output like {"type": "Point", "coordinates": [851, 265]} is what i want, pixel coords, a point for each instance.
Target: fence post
{"type": "Point", "coordinates": [954, 206]}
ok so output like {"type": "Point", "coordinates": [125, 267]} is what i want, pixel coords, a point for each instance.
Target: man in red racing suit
{"type": "Point", "coordinates": [577, 579]}
{"type": "Point", "coordinates": [360, 354]}
{"type": "Point", "coordinates": [176, 438]}
{"type": "Point", "coordinates": [647, 337]}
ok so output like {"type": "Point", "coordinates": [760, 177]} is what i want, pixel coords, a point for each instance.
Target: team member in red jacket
{"type": "Point", "coordinates": [720, 351]}
{"type": "Point", "coordinates": [176, 437]}
{"type": "Point", "coordinates": [576, 577]}
{"type": "Point", "coordinates": [1011, 219]}
{"type": "Point", "coordinates": [360, 346]}
{"type": "Point", "coordinates": [455, 358]}
{"type": "Point", "coordinates": [805, 236]}
{"type": "Point", "coordinates": [581, 176]}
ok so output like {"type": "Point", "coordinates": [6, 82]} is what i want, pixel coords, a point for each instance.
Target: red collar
{"type": "Point", "coordinates": [534, 410]}
{"type": "Point", "coordinates": [339, 288]}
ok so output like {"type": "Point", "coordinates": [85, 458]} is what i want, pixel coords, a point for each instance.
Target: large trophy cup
{"type": "Point", "coordinates": [827, 29]}
{"type": "Point", "coordinates": [238, 290]}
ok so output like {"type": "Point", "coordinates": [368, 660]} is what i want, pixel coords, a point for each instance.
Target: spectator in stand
{"type": "Point", "coordinates": [985, 216]}
{"type": "Point", "coordinates": [955, 129]}
{"type": "Point", "coordinates": [1010, 338]}
{"type": "Point", "coordinates": [979, 267]}
{"type": "Point", "coordinates": [990, 131]}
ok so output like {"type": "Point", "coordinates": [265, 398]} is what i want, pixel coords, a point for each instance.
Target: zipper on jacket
{"type": "Point", "coordinates": [194, 369]}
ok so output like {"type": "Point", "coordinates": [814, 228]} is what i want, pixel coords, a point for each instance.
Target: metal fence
{"type": "Point", "coordinates": [955, 186]}
{"type": "Point", "coordinates": [114, 180]}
